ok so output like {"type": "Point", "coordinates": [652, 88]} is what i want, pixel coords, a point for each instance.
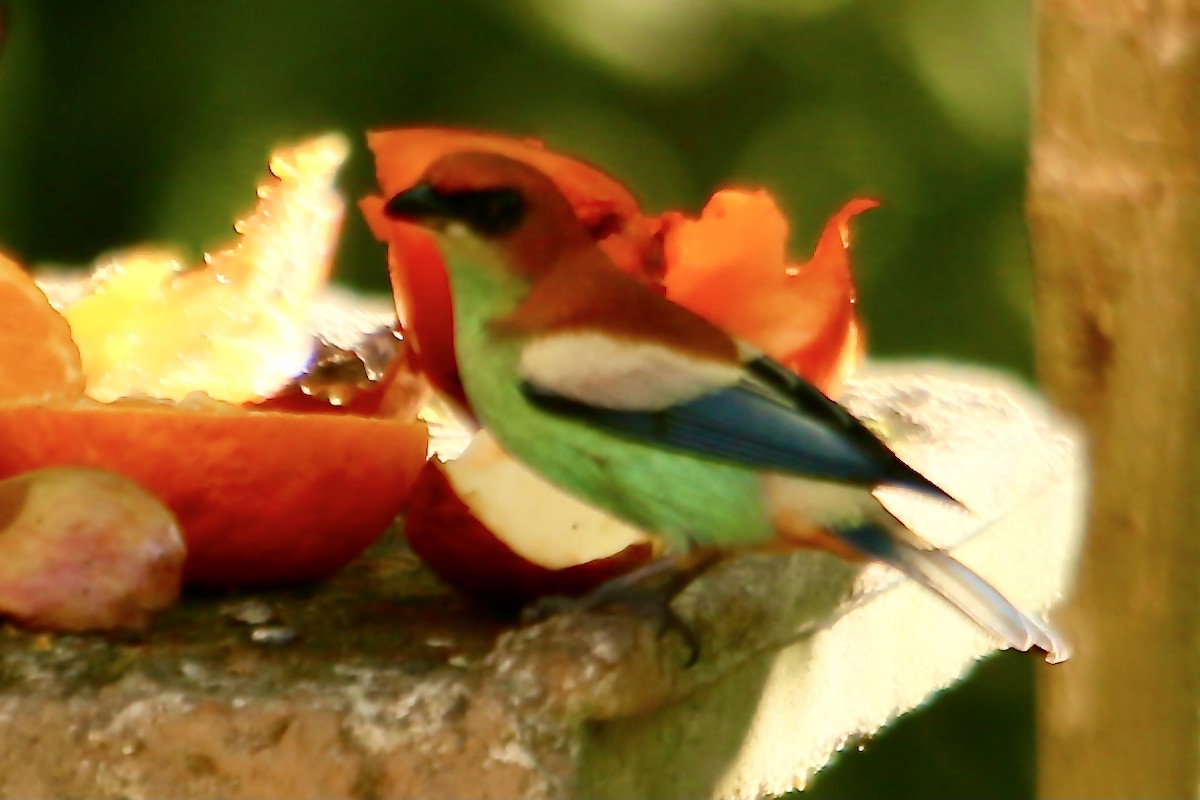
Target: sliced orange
{"type": "Point", "coordinates": [263, 498]}
{"type": "Point", "coordinates": [235, 328]}
{"type": "Point", "coordinates": [38, 359]}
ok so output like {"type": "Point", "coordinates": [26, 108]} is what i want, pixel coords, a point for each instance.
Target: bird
{"type": "Point", "coordinates": [647, 411]}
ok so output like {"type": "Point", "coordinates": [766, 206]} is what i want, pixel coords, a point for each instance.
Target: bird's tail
{"type": "Point", "coordinates": [889, 541]}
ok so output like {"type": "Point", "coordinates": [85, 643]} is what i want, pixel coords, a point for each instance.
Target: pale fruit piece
{"type": "Point", "coordinates": [235, 328]}
{"type": "Point", "coordinates": [495, 530]}
{"type": "Point", "coordinates": [85, 549]}
{"type": "Point", "coordinates": [537, 520]}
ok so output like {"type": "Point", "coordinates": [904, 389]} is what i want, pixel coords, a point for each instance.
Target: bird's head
{"type": "Point", "coordinates": [497, 200]}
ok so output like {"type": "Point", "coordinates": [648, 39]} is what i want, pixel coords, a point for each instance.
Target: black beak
{"type": "Point", "coordinates": [417, 204]}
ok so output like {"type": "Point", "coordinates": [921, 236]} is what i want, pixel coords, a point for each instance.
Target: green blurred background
{"type": "Point", "coordinates": [131, 121]}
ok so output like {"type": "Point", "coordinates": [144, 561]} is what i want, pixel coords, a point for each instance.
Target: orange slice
{"type": "Point", "coordinates": [38, 359]}
{"type": "Point", "coordinates": [263, 498]}
{"type": "Point", "coordinates": [235, 328]}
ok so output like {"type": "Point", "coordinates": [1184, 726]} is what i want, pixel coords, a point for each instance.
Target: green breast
{"type": "Point", "coordinates": [682, 498]}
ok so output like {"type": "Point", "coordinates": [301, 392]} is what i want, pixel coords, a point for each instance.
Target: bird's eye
{"type": "Point", "coordinates": [490, 212]}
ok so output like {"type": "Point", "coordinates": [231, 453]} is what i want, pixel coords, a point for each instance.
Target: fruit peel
{"type": "Point", "coordinates": [264, 498]}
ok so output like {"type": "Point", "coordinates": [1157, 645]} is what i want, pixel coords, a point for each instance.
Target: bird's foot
{"type": "Point", "coordinates": [646, 591]}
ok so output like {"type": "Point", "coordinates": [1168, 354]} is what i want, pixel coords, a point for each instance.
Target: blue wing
{"type": "Point", "coordinates": [771, 420]}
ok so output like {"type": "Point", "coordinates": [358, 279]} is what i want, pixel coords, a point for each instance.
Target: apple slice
{"type": "Point", "coordinates": [500, 533]}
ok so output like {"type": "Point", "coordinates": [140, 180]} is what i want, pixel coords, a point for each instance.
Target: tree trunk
{"type": "Point", "coordinates": [1114, 210]}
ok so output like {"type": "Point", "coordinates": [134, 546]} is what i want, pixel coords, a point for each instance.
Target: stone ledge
{"type": "Point", "coordinates": [380, 683]}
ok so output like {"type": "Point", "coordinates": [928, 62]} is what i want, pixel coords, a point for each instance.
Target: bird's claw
{"type": "Point", "coordinates": [544, 608]}
{"type": "Point", "coordinates": [654, 605]}
{"type": "Point", "coordinates": [647, 592]}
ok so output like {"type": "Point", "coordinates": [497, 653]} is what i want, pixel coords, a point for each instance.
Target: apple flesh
{"type": "Point", "coordinates": [85, 549]}
{"type": "Point", "coordinates": [501, 534]}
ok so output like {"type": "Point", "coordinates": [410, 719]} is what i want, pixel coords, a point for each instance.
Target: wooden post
{"type": "Point", "coordinates": [1114, 211]}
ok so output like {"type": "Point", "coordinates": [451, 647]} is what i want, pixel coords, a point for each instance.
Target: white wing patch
{"type": "Point", "coordinates": [623, 375]}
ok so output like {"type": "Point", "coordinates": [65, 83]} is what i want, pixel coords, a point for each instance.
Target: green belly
{"type": "Point", "coordinates": [685, 499]}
